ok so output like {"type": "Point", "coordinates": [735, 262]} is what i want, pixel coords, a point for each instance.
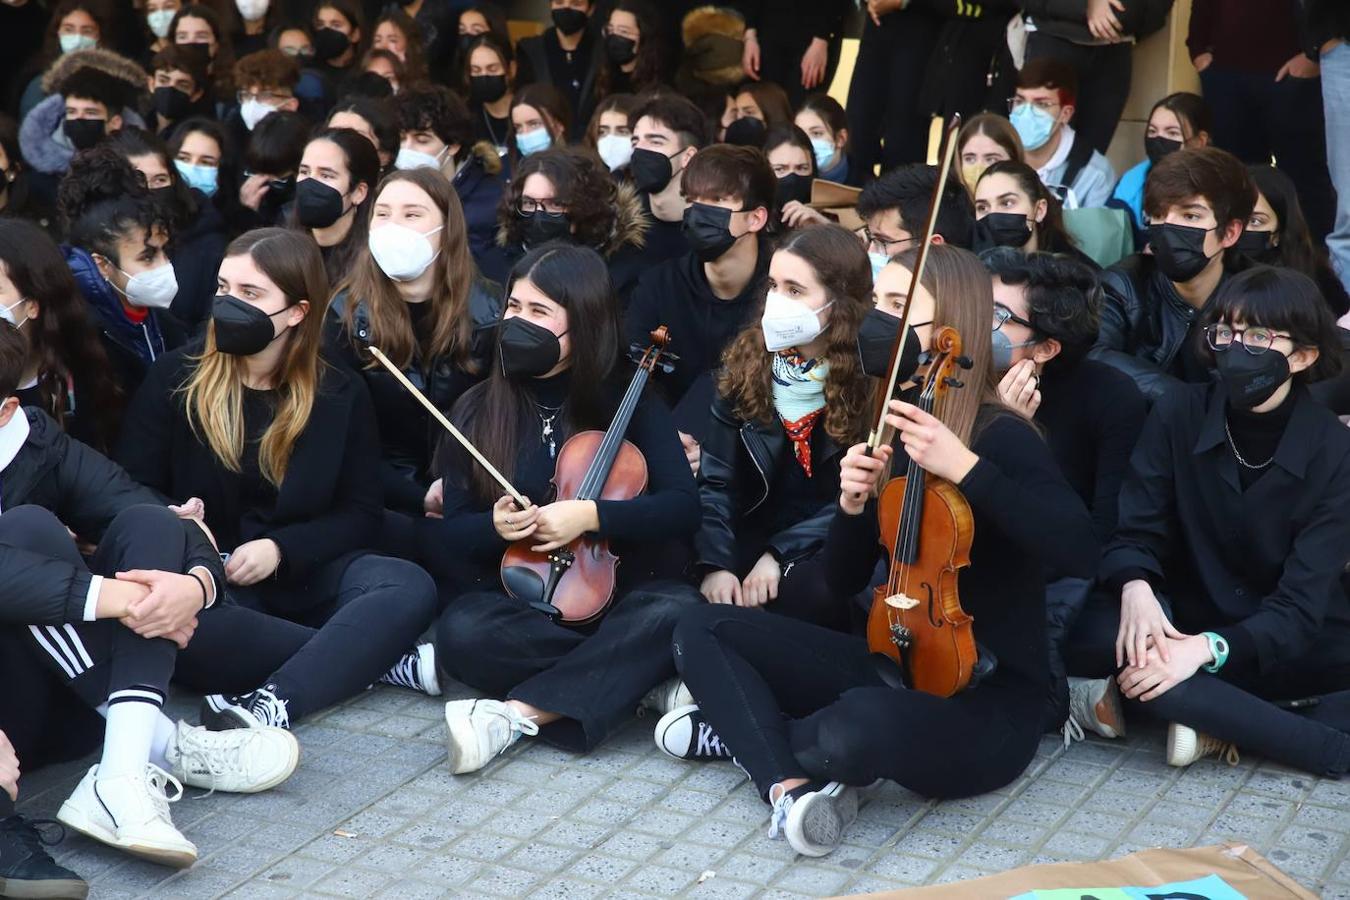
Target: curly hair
{"type": "Point", "coordinates": [580, 181]}
{"type": "Point", "coordinates": [840, 265]}
{"type": "Point", "coordinates": [102, 198]}
{"type": "Point", "coordinates": [437, 109]}
{"type": "Point", "coordinates": [1064, 298]}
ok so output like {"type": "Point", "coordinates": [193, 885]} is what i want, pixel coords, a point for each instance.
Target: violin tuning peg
{"type": "Point", "coordinates": [965, 362]}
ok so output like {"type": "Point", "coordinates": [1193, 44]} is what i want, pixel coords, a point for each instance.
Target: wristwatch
{"type": "Point", "coordinates": [1219, 648]}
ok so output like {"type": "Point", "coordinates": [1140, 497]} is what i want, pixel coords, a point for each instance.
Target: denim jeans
{"type": "Point", "coordinates": [1336, 104]}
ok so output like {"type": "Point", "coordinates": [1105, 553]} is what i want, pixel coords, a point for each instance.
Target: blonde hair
{"type": "Point", "coordinates": [214, 393]}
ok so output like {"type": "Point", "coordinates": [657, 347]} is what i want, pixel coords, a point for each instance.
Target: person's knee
{"type": "Point", "coordinates": [31, 527]}
{"type": "Point", "coordinates": [148, 522]}
{"type": "Point", "coordinates": [409, 582]}
{"type": "Point", "coordinates": [832, 743]}
{"type": "Point", "coordinates": [696, 629]}
{"type": "Point", "coordinates": [663, 604]}
{"type": "Point", "coordinates": [460, 629]}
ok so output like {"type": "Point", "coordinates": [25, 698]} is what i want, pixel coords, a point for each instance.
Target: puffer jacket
{"type": "Point", "coordinates": [479, 184]}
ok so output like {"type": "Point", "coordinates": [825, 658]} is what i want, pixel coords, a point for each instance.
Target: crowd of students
{"type": "Point", "coordinates": [213, 216]}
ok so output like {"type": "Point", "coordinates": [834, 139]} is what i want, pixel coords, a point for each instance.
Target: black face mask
{"type": "Point", "coordinates": [1179, 250]}
{"type": "Point", "coordinates": [317, 205]}
{"type": "Point", "coordinates": [241, 329]}
{"type": "Point", "coordinates": [199, 51]}
{"type": "Point", "coordinates": [487, 88]}
{"type": "Point", "coordinates": [793, 187]}
{"type": "Point", "coordinates": [171, 103]}
{"type": "Point", "coordinates": [1001, 230]}
{"type": "Point", "coordinates": [619, 49]}
{"type": "Point", "coordinates": [876, 336]}
{"type": "Point", "coordinates": [1259, 246]}
{"type": "Point", "coordinates": [708, 230]}
{"type": "Point", "coordinates": [1158, 147]}
{"type": "Point", "coordinates": [746, 131]}
{"type": "Point", "coordinates": [542, 228]}
{"type": "Point", "coordinates": [651, 170]}
{"type": "Point", "coordinates": [1251, 379]}
{"type": "Point", "coordinates": [84, 133]}
{"type": "Point", "coordinates": [569, 21]}
{"type": "Point", "coordinates": [526, 350]}
{"type": "Point", "coordinates": [329, 43]}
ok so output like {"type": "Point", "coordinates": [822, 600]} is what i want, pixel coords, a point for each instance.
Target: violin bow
{"type": "Point", "coordinates": [454, 432]}
{"type": "Point", "coordinates": [881, 432]}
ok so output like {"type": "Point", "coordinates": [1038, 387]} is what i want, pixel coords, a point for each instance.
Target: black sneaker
{"type": "Point", "coordinates": [252, 710]}
{"type": "Point", "coordinates": [684, 734]}
{"type": "Point", "coordinates": [27, 870]}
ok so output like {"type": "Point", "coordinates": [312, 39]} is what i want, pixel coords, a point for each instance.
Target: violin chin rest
{"type": "Point", "coordinates": [523, 583]}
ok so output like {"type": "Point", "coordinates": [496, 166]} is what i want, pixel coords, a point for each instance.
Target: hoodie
{"type": "Point", "coordinates": [44, 144]}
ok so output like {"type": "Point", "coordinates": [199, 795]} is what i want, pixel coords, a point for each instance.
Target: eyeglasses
{"type": "Point", "coordinates": [1254, 340]}
{"type": "Point", "coordinates": [267, 98]}
{"type": "Point", "coordinates": [882, 243]}
{"type": "Point", "coordinates": [528, 206]}
{"type": "Point", "coordinates": [1044, 104]}
{"type": "Point", "coordinates": [1003, 315]}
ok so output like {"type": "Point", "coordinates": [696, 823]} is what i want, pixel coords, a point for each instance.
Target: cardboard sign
{"type": "Point", "coordinates": [1227, 872]}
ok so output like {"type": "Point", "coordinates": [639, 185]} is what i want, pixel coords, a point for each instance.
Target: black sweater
{"type": "Point", "coordinates": [327, 507]}
{"type": "Point", "coordinates": [1027, 520]}
{"type": "Point", "coordinates": [465, 544]}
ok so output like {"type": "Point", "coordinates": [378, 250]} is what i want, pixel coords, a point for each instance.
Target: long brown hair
{"type": "Point", "coordinates": [746, 379]}
{"type": "Point", "coordinates": [214, 393]}
{"type": "Point", "coordinates": [964, 292]}
{"type": "Point", "coordinates": [390, 322]}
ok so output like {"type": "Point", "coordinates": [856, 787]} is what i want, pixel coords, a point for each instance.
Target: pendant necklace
{"type": "Point", "coordinates": [547, 420]}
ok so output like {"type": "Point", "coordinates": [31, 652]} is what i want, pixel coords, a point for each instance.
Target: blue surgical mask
{"type": "Point", "coordinates": [160, 20]}
{"type": "Point", "coordinates": [824, 151]}
{"type": "Point", "coordinates": [1000, 351]}
{"type": "Point", "coordinates": [203, 178]}
{"type": "Point", "coordinates": [878, 261]}
{"type": "Point", "coordinates": [1034, 125]}
{"type": "Point", "coordinates": [72, 42]}
{"type": "Point", "coordinates": [531, 142]}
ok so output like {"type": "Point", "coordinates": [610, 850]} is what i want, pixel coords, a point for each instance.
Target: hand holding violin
{"type": "Point", "coordinates": [859, 472]}
{"type": "Point", "coordinates": [511, 522]}
{"type": "Point", "coordinates": [931, 444]}
{"type": "Point", "coordinates": [562, 522]}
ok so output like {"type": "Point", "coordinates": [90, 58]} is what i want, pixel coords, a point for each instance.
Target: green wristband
{"type": "Point", "coordinates": [1219, 648]}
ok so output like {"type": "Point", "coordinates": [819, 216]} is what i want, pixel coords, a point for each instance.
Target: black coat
{"type": "Point", "coordinates": [196, 253]}
{"type": "Point", "coordinates": [740, 476]}
{"type": "Point", "coordinates": [1067, 19]}
{"type": "Point", "coordinates": [1263, 566]}
{"type": "Point", "coordinates": [86, 491]}
{"type": "Point", "coordinates": [408, 436]}
{"type": "Point", "coordinates": [328, 506]}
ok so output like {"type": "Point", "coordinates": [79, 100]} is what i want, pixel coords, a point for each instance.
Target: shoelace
{"type": "Point", "coordinates": [28, 833]}
{"type": "Point", "coordinates": [1222, 749]}
{"type": "Point", "coordinates": [778, 818]}
{"type": "Point", "coordinates": [211, 751]}
{"type": "Point", "coordinates": [709, 744]}
{"type": "Point", "coordinates": [1072, 731]}
{"type": "Point", "coordinates": [160, 781]}
{"type": "Point", "coordinates": [516, 724]}
{"type": "Point", "coordinates": [270, 708]}
{"type": "Point", "coordinates": [404, 673]}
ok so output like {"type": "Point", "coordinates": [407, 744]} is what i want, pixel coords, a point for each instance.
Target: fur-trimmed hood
{"type": "Point", "coordinates": [42, 141]}
{"type": "Point", "coordinates": [630, 224]}
{"type": "Point", "coordinates": [105, 61]}
{"type": "Point", "coordinates": [714, 39]}
{"type": "Point", "coordinates": [487, 155]}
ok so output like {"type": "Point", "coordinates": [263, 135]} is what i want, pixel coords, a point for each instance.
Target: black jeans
{"type": "Point", "coordinates": [593, 677]}
{"type": "Point", "coordinates": [382, 606]}
{"type": "Point", "coordinates": [1257, 117]}
{"type": "Point", "coordinates": [794, 700]}
{"type": "Point", "coordinates": [883, 96]}
{"type": "Point", "coordinates": [1315, 739]}
{"type": "Point", "coordinates": [780, 61]}
{"type": "Point", "coordinates": [1103, 83]}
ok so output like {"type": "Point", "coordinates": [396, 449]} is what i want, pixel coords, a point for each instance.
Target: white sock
{"type": "Point", "coordinates": [165, 729]}
{"type": "Point", "coordinates": [132, 718]}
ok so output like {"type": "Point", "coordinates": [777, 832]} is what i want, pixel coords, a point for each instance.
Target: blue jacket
{"type": "Point", "coordinates": [1130, 191]}
{"type": "Point", "coordinates": [479, 185]}
{"type": "Point", "coordinates": [131, 346]}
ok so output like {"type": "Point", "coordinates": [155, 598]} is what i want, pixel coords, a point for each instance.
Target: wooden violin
{"type": "Point", "coordinates": [916, 617]}
{"type": "Point", "coordinates": [575, 584]}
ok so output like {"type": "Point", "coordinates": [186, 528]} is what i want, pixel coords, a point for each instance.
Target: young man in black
{"type": "Point", "coordinates": [895, 209]}
{"type": "Point", "coordinates": [1197, 203]}
{"type": "Point", "coordinates": [667, 131]}
{"type": "Point", "coordinates": [564, 56]}
{"type": "Point", "coordinates": [706, 296]}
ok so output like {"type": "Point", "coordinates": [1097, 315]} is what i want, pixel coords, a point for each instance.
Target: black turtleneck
{"type": "Point", "coordinates": [1253, 437]}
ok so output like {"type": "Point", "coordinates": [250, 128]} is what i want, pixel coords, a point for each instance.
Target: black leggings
{"type": "Point", "coordinates": [383, 605]}
{"type": "Point", "coordinates": [593, 677]}
{"type": "Point", "coordinates": [1315, 739]}
{"type": "Point", "coordinates": [794, 700]}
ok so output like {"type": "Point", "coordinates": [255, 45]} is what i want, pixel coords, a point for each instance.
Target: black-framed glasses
{"type": "Point", "coordinates": [1003, 315]}
{"type": "Point", "coordinates": [885, 245]}
{"type": "Point", "coordinates": [528, 206]}
{"type": "Point", "coordinates": [1254, 340]}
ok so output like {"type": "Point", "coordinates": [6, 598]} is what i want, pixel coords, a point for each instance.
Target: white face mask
{"type": "Point", "coordinates": [252, 10]}
{"type": "Point", "coordinates": [159, 21]}
{"type": "Point", "coordinates": [7, 313]}
{"type": "Point", "coordinates": [615, 149]}
{"type": "Point", "coordinates": [789, 323]}
{"type": "Point", "coordinates": [409, 158]}
{"type": "Point", "coordinates": [72, 42]}
{"type": "Point", "coordinates": [402, 253]}
{"type": "Point", "coordinates": [152, 289]}
{"type": "Point", "coordinates": [254, 111]}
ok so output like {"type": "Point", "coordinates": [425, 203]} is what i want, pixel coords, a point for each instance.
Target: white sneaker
{"type": "Point", "coordinates": [683, 733]}
{"type": "Point", "coordinates": [666, 696]}
{"type": "Point", "coordinates": [1094, 705]}
{"type": "Point", "coordinates": [478, 730]}
{"type": "Point", "coordinates": [814, 816]}
{"type": "Point", "coordinates": [416, 670]}
{"type": "Point", "coordinates": [1185, 745]}
{"type": "Point", "coordinates": [238, 761]}
{"type": "Point", "coordinates": [131, 813]}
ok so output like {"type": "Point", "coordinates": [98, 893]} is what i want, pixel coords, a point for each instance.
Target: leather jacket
{"type": "Point", "coordinates": [736, 475]}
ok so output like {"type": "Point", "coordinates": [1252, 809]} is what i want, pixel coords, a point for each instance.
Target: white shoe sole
{"type": "Point", "coordinates": [677, 721]}
{"type": "Point", "coordinates": [461, 746]}
{"type": "Point", "coordinates": [292, 762]}
{"type": "Point", "coordinates": [426, 664]}
{"type": "Point", "coordinates": [1181, 745]}
{"type": "Point", "coordinates": [45, 889]}
{"type": "Point", "coordinates": [177, 856]}
{"type": "Point", "coordinates": [826, 816]}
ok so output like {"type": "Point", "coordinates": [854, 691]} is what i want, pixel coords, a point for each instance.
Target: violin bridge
{"type": "Point", "coordinates": [901, 601]}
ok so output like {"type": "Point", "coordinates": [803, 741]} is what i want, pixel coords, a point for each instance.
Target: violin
{"type": "Point", "coordinates": [575, 584]}
{"type": "Point", "coordinates": [916, 618]}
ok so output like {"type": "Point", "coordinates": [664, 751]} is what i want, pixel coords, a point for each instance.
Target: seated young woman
{"type": "Point", "coordinates": [558, 372]}
{"type": "Point", "coordinates": [333, 186]}
{"type": "Point", "coordinates": [66, 372]}
{"type": "Point", "coordinates": [1234, 533]}
{"type": "Point", "coordinates": [1013, 208]}
{"type": "Point", "coordinates": [791, 396]}
{"type": "Point", "coordinates": [416, 295]}
{"type": "Point", "coordinates": [806, 710]}
{"type": "Point", "coordinates": [276, 452]}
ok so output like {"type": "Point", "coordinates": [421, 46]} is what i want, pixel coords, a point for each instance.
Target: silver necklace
{"type": "Point", "coordinates": [547, 420]}
{"type": "Point", "coordinates": [498, 145]}
{"type": "Point", "coordinates": [1232, 443]}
